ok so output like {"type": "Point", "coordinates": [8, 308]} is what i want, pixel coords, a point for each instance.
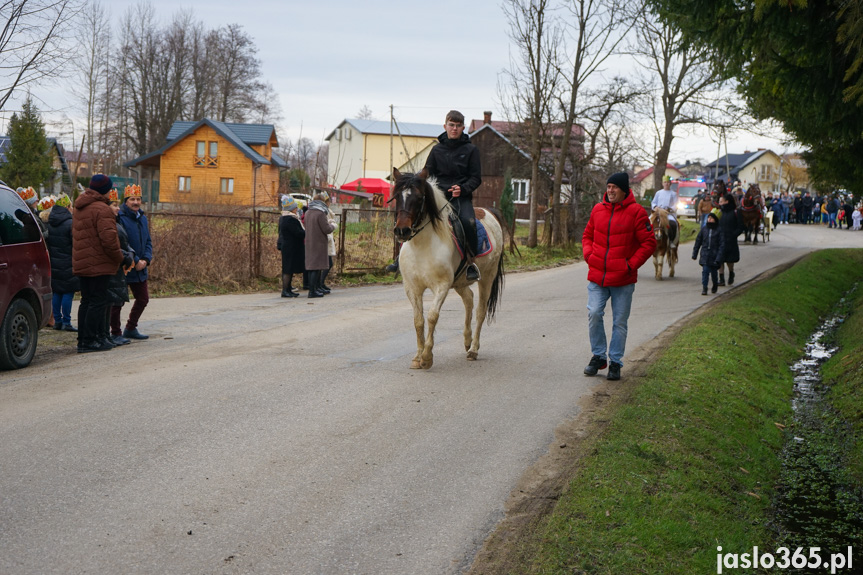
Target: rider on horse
{"type": "Point", "coordinates": [667, 200]}
{"type": "Point", "coordinates": [454, 161]}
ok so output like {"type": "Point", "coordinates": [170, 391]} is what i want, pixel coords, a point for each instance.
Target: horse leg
{"type": "Point", "coordinates": [672, 259]}
{"type": "Point", "coordinates": [419, 324]}
{"type": "Point", "coordinates": [657, 265]}
{"type": "Point", "coordinates": [484, 288]}
{"type": "Point", "coordinates": [467, 298]}
{"type": "Point", "coordinates": [427, 357]}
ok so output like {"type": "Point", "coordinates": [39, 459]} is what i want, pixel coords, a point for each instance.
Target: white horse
{"type": "Point", "coordinates": [429, 259]}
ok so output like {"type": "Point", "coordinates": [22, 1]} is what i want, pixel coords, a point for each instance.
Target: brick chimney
{"type": "Point", "coordinates": [486, 117]}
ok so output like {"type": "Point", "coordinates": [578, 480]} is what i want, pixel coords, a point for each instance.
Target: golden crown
{"type": "Point", "coordinates": [132, 191]}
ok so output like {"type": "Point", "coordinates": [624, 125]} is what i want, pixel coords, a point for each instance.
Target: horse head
{"type": "Point", "coordinates": [415, 204]}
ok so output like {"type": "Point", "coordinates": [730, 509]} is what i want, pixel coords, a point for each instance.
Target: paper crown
{"type": "Point", "coordinates": [47, 203]}
{"type": "Point", "coordinates": [113, 196]}
{"type": "Point", "coordinates": [132, 191]}
{"type": "Point", "coordinates": [63, 201]}
{"type": "Point", "coordinates": [28, 195]}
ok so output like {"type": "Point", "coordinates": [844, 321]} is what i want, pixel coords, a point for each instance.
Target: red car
{"type": "Point", "coordinates": [25, 281]}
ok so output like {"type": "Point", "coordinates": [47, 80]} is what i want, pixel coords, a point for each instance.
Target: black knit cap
{"type": "Point", "coordinates": [101, 183]}
{"type": "Point", "coordinates": [621, 180]}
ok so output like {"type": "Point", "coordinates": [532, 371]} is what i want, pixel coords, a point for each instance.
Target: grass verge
{"type": "Point", "coordinates": [690, 462]}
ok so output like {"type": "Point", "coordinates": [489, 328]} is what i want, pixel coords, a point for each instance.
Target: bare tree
{"type": "Point", "coordinates": [32, 42]}
{"type": "Point", "coordinates": [365, 113]}
{"type": "Point", "coordinates": [532, 80]}
{"type": "Point", "coordinates": [237, 70]}
{"type": "Point", "coordinates": [687, 89]}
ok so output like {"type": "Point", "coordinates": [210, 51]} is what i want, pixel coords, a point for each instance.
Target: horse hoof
{"type": "Point", "coordinates": [471, 355]}
{"type": "Point", "coordinates": [426, 364]}
{"type": "Point", "coordinates": [671, 274]}
{"type": "Point", "coordinates": [415, 364]}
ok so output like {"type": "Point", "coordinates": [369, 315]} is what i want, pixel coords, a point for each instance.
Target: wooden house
{"type": "Point", "coordinates": [210, 162]}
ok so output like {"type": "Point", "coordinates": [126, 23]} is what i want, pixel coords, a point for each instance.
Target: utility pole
{"type": "Point", "coordinates": [392, 119]}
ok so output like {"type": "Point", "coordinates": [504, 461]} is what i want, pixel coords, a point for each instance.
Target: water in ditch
{"type": "Point", "coordinates": [818, 505]}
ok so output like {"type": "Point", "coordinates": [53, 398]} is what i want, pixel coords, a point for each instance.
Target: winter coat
{"type": "Point", "coordinates": [731, 225]}
{"type": "Point", "coordinates": [59, 241]}
{"type": "Point", "coordinates": [139, 239]}
{"type": "Point", "coordinates": [291, 236]}
{"type": "Point", "coordinates": [711, 242]}
{"type": "Point", "coordinates": [617, 241]}
{"type": "Point", "coordinates": [833, 206]}
{"type": "Point", "coordinates": [317, 228]}
{"type": "Point", "coordinates": [455, 162]}
{"type": "Point", "coordinates": [331, 240]}
{"type": "Point", "coordinates": [95, 246]}
{"type": "Point", "coordinates": [118, 292]}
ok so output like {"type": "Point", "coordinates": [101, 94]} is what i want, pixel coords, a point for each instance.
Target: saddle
{"type": "Point", "coordinates": [460, 240]}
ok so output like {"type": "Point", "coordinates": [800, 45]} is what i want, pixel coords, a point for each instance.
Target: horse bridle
{"type": "Point", "coordinates": [415, 230]}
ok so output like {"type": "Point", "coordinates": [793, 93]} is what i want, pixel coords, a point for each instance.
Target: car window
{"type": "Point", "coordinates": [688, 191]}
{"type": "Point", "coordinates": [17, 223]}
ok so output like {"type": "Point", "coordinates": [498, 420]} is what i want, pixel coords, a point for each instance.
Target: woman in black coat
{"type": "Point", "coordinates": [64, 283]}
{"type": "Point", "coordinates": [118, 291]}
{"type": "Point", "coordinates": [292, 235]}
{"type": "Point", "coordinates": [731, 224]}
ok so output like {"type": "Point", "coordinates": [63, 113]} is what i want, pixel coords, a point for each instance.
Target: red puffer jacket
{"type": "Point", "coordinates": [617, 241]}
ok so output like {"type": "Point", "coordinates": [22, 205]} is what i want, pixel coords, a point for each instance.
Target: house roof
{"type": "Point", "coordinates": [383, 127]}
{"type": "Point", "coordinates": [240, 135]}
{"type": "Point", "coordinates": [734, 160]}
{"type": "Point", "coordinates": [648, 171]}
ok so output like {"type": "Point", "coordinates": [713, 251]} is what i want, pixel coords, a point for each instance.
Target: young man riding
{"type": "Point", "coordinates": [455, 163]}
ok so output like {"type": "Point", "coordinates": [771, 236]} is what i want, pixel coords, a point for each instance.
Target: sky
{"type": "Point", "coordinates": [327, 59]}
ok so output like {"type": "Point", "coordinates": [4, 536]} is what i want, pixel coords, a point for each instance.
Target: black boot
{"type": "Point", "coordinates": [286, 286]}
{"type": "Point", "coordinates": [314, 277]}
{"type": "Point", "coordinates": [731, 278]}
{"type": "Point", "coordinates": [323, 286]}
{"type": "Point", "coordinates": [393, 268]}
{"type": "Point", "coordinates": [721, 280]}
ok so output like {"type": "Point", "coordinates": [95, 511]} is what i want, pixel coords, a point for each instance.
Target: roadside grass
{"type": "Point", "coordinates": [690, 461]}
{"type": "Point", "coordinates": [843, 373]}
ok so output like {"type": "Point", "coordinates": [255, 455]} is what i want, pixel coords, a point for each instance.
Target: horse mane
{"type": "Point", "coordinates": [432, 194]}
{"type": "Point", "coordinates": [661, 216]}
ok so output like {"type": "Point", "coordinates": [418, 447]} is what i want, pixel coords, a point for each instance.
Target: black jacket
{"type": "Point", "coordinates": [731, 225]}
{"type": "Point", "coordinates": [59, 240]}
{"type": "Point", "coordinates": [455, 162]}
{"type": "Point", "coordinates": [118, 293]}
{"type": "Point", "coordinates": [291, 238]}
{"type": "Point", "coordinates": [711, 242]}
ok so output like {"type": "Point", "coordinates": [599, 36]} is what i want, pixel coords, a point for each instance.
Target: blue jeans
{"type": "Point", "coordinates": [709, 272]}
{"type": "Point", "coordinates": [621, 303]}
{"type": "Point", "coordinates": [62, 305]}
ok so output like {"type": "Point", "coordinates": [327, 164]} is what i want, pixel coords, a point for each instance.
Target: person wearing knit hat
{"type": "Point", "coordinates": [711, 243]}
{"type": "Point", "coordinates": [96, 255]}
{"type": "Point", "coordinates": [617, 240]}
{"type": "Point", "coordinates": [292, 234]}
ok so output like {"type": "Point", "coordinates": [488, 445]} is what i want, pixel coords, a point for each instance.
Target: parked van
{"type": "Point", "coordinates": [25, 281]}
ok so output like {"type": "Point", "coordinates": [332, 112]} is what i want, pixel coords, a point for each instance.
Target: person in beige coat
{"type": "Point", "coordinates": [318, 227]}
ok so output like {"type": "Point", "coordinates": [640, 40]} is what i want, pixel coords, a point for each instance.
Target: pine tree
{"type": "Point", "coordinates": [28, 158]}
{"type": "Point", "coordinates": [507, 206]}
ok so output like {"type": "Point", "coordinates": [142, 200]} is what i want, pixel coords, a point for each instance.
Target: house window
{"type": "Point", "coordinates": [227, 185]}
{"type": "Point", "coordinates": [214, 149]}
{"type": "Point", "coordinates": [766, 172]}
{"type": "Point", "coordinates": [204, 157]}
{"type": "Point", "coordinates": [184, 183]}
{"type": "Point", "coordinates": [521, 191]}
{"type": "Point", "coordinates": [201, 148]}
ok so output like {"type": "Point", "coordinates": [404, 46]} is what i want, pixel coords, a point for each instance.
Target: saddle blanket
{"type": "Point", "coordinates": [482, 241]}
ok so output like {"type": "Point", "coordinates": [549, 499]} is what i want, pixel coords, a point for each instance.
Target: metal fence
{"type": "Point", "coordinates": [232, 249]}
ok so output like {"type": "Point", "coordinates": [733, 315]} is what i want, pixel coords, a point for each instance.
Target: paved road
{"type": "Point", "coordinates": [254, 434]}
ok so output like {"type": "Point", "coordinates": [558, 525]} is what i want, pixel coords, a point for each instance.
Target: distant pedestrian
{"type": "Point", "coordinates": [292, 234]}
{"type": "Point", "coordinates": [617, 241]}
{"type": "Point", "coordinates": [731, 225]}
{"type": "Point", "coordinates": [64, 283]}
{"type": "Point", "coordinates": [317, 259]}
{"type": "Point", "coordinates": [134, 220]}
{"type": "Point", "coordinates": [118, 290]}
{"type": "Point", "coordinates": [95, 256]}
{"type": "Point", "coordinates": [711, 243]}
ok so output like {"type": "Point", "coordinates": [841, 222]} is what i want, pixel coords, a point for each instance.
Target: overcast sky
{"type": "Point", "coordinates": [328, 58]}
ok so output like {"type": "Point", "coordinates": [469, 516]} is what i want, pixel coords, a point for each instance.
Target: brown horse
{"type": "Point", "coordinates": [665, 250]}
{"type": "Point", "coordinates": [752, 210]}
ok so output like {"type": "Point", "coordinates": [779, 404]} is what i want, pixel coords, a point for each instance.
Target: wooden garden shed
{"type": "Point", "coordinates": [210, 162]}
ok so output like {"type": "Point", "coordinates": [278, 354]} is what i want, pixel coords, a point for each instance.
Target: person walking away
{"type": "Point", "coordinates": [317, 260]}
{"type": "Point", "coordinates": [667, 200]}
{"type": "Point", "coordinates": [832, 210]}
{"type": "Point", "coordinates": [118, 291]}
{"type": "Point", "coordinates": [134, 220]}
{"type": "Point", "coordinates": [64, 283]}
{"type": "Point", "coordinates": [292, 234]}
{"type": "Point", "coordinates": [455, 163]}
{"type": "Point", "coordinates": [711, 243]}
{"type": "Point", "coordinates": [731, 225]}
{"type": "Point", "coordinates": [95, 256]}
{"type": "Point", "coordinates": [617, 240]}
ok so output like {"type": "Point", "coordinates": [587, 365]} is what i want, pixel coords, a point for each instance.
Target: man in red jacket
{"type": "Point", "coordinates": [617, 241]}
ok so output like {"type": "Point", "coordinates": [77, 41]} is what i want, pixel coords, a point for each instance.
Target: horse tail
{"type": "Point", "coordinates": [496, 290]}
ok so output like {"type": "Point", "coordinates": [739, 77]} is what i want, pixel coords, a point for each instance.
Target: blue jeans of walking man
{"type": "Point", "coordinates": [621, 303]}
